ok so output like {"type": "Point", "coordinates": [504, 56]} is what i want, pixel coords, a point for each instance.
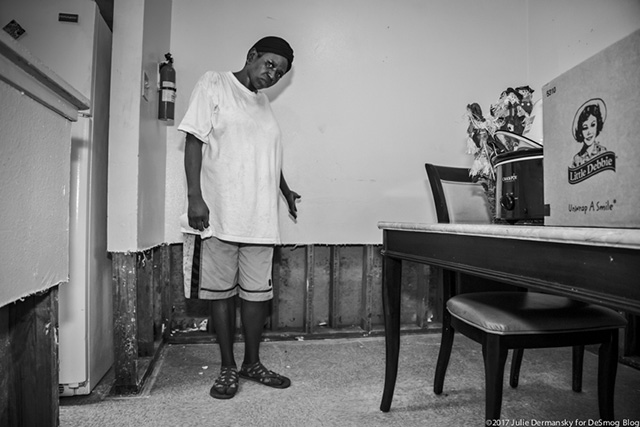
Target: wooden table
{"type": "Point", "coordinates": [598, 265]}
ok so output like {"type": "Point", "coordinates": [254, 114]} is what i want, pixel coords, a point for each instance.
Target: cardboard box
{"type": "Point", "coordinates": [591, 135]}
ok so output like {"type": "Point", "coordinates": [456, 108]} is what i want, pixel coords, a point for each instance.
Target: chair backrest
{"type": "Point", "coordinates": [457, 198]}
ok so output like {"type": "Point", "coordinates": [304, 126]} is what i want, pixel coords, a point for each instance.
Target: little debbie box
{"type": "Point", "coordinates": [591, 134]}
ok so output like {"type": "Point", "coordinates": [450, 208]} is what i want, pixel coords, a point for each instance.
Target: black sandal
{"type": "Point", "coordinates": [226, 385]}
{"type": "Point", "coordinates": [258, 373]}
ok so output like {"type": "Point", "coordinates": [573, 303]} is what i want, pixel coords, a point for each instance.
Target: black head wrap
{"type": "Point", "coordinates": [272, 44]}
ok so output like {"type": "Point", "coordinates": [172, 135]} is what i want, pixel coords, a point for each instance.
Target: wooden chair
{"type": "Point", "coordinates": [470, 205]}
{"type": "Point", "coordinates": [505, 320]}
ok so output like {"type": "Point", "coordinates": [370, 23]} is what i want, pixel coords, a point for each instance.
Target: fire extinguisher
{"type": "Point", "coordinates": [167, 98]}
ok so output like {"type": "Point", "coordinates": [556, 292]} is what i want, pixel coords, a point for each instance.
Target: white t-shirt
{"type": "Point", "coordinates": [241, 158]}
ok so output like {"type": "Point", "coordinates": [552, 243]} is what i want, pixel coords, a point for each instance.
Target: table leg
{"type": "Point", "coordinates": [607, 369]}
{"type": "Point", "coordinates": [448, 289]}
{"type": "Point", "coordinates": [391, 277]}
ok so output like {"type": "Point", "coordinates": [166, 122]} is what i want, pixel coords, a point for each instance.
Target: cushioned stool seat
{"type": "Point", "coordinates": [506, 313]}
{"type": "Point", "coordinates": [517, 320]}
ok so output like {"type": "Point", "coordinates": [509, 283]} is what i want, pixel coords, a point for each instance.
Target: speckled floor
{"type": "Point", "coordinates": [339, 383]}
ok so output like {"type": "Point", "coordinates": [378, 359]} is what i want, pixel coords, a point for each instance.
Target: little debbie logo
{"type": "Point", "coordinates": [593, 157]}
{"type": "Point", "coordinates": [605, 161]}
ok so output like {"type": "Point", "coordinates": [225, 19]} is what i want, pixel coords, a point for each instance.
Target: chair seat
{"type": "Point", "coordinates": [521, 313]}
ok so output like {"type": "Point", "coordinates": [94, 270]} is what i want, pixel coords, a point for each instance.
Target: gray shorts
{"type": "Point", "coordinates": [217, 269]}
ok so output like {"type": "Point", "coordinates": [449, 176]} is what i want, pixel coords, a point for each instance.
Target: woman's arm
{"type": "Point", "coordinates": [198, 211]}
{"type": "Point", "coordinates": [290, 196]}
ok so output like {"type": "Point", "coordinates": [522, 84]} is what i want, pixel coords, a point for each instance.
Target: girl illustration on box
{"type": "Point", "coordinates": [587, 126]}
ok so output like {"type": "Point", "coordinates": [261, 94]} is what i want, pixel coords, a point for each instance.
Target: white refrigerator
{"type": "Point", "coordinates": [73, 40]}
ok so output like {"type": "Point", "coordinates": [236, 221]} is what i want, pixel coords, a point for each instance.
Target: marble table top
{"type": "Point", "coordinates": [611, 237]}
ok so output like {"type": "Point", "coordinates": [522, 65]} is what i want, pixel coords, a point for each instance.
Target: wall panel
{"type": "Point", "coordinates": [319, 291]}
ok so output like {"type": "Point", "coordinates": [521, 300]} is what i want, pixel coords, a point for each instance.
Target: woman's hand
{"type": "Point", "coordinates": [289, 195]}
{"type": "Point", "coordinates": [291, 198]}
{"type": "Point", "coordinates": [198, 213]}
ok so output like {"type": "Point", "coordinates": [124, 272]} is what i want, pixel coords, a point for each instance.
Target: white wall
{"type": "Point", "coordinates": [137, 148]}
{"type": "Point", "coordinates": [153, 132]}
{"type": "Point", "coordinates": [378, 88]}
{"type": "Point", "coordinates": [564, 33]}
{"type": "Point", "coordinates": [124, 126]}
